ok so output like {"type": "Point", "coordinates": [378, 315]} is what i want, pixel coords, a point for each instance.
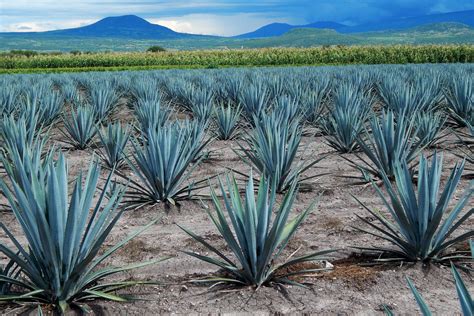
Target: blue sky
{"type": "Point", "coordinates": [213, 17]}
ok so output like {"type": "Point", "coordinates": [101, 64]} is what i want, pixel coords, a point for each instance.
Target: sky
{"type": "Point", "coordinates": [213, 17]}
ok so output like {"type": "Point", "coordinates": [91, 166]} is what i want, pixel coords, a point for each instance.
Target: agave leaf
{"type": "Point", "coordinates": [425, 310]}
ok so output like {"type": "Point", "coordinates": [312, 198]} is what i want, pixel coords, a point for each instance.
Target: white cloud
{"type": "Point", "coordinates": [40, 26]}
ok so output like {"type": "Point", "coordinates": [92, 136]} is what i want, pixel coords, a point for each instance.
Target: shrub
{"type": "Point", "coordinates": [156, 49]}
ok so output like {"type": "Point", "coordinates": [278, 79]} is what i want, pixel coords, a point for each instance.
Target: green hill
{"type": "Point", "coordinates": [438, 33]}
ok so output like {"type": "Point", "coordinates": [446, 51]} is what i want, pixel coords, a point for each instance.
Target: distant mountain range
{"type": "Point", "coordinates": [277, 29]}
{"type": "Point", "coordinates": [130, 32]}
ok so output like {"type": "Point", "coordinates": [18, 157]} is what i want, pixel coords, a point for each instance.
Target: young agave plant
{"type": "Point", "coordinates": [288, 108]}
{"type": "Point", "coordinates": [422, 225]}
{"type": "Point", "coordinates": [114, 139]}
{"type": "Point", "coordinates": [465, 299]}
{"type": "Point", "coordinates": [227, 119]}
{"type": "Point", "coordinates": [50, 108]}
{"type": "Point", "coordinates": [201, 103]}
{"type": "Point", "coordinates": [163, 164]}
{"type": "Point", "coordinates": [60, 264]}
{"type": "Point", "coordinates": [390, 143]}
{"type": "Point", "coordinates": [19, 133]}
{"type": "Point", "coordinates": [408, 98]}
{"type": "Point", "coordinates": [151, 114]}
{"type": "Point", "coordinates": [80, 128]}
{"type": "Point", "coordinates": [103, 100]}
{"type": "Point", "coordinates": [255, 237]}
{"type": "Point", "coordinates": [255, 100]}
{"type": "Point", "coordinates": [312, 102]}
{"type": "Point", "coordinates": [71, 93]}
{"type": "Point", "coordinates": [272, 147]}
{"type": "Point", "coordinates": [30, 159]}
{"type": "Point", "coordinates": [347, 119]}
{"type": "Point", "coordinates": [429, 127]}
{"type": "Point", "coordinates": [460, 96]}
{"type": "Point", "coordinates": [9, 96]}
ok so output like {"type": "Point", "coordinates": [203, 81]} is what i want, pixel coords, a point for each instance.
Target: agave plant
{"type": "Point", "coordinates": [19, 133]}
{"type": "Point", "coordinates": [227, 119]}
{"type": "Point", "coordinates": [8, 271]}
{"type": "Point", "coordinates": [164, 163]}
{"type": "Point", "coordinates": [465, 299]}
{"type": "Point", "coordinates": [288, 109]}
{"type": "Point", "coordinates": [114, 139]}
{"type": "Point", "coordinates": [51, 106]}
{"type": "Point", "coordinates": [146, 91]}
{"type": "Point", "coordinates": [272, 147]}
{"type": "Point", "coordinates": [390, 143]}
{"type": "Point", "coordinates": [80, 127]}
{"type": "Point", "coordinates": [71, 94]}
{"type": "Point", "coordinates": [9, 95]}
{"type": "Point", "coordinates": [460, 96]}
{"type": "Point", "coordinates": [201, 104]}
{"type": "Point", "coordinates": [103, 100]}
{"type": "Point", "coordinates": [312, 102]}
{"type": "Point", "coordinates": [347, 119]}
{"type": "Point", "coordinates": [422, 226]}
{"type": "Point", "coordinates": [257, 241]}
{"type": "Point", "coordinates": [410, 97]}
{"type": "Point", "coordinates": [151, 114]}
{"type": "Point", "coordinates": [429, 127]}
{"type": "Point", "coordinates": [28, 159]}
{"type": "Point", "coordinates": [254, 100]}
{"type": "Point", "coordinates": [60, 265]}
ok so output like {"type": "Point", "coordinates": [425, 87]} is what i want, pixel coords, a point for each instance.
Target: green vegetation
{"type": "Point", "coordinates": [227, 120]}
{"type": "Point", "coordinates": [390, 143]}
{"type": "Point", "coordinates": [80, 128]}
{"type": "Point", "coordinates": [61, 264]}
{"type": "Point", "coordinates": [422, 227]}
{"type": "Point", "coordinates": [156, 49]}
{"type": "Point", "coordinates": [271, 148]}
{"type": "Point", "coordinates": [256, 57]}
{"type": "Point", "coordinates": [114, 139]}
{"type": "Point", "coordinates": [437, 34]}
{"type": "Point", "coordinates": [255, 236]}
{"type": "Point", "coordinates": [153, 126]}
{"type": "Point", "coordinates": [164, 163]}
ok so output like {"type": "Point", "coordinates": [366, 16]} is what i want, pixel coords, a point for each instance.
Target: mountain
{"type": "Point", "coordinates": [464, 17]}
{"type": "Point", "coordinates": [126, 26]}
{"type": "Point", "coordinates": [438, 33]}
{"type": "Point", "coordinates": [277, 29]}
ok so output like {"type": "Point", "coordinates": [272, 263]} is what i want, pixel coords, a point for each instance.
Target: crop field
{"type": "Point", "coordinates": [323, 190]}
{"type": "Point", "coordinates": [328, 55]}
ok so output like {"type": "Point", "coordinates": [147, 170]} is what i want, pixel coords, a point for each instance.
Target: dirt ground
{"type": "Point", "coordinates": [351, 288]}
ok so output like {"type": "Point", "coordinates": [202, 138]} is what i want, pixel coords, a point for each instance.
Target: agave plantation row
{"type": "Point", "coordinates": [385, 115]}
